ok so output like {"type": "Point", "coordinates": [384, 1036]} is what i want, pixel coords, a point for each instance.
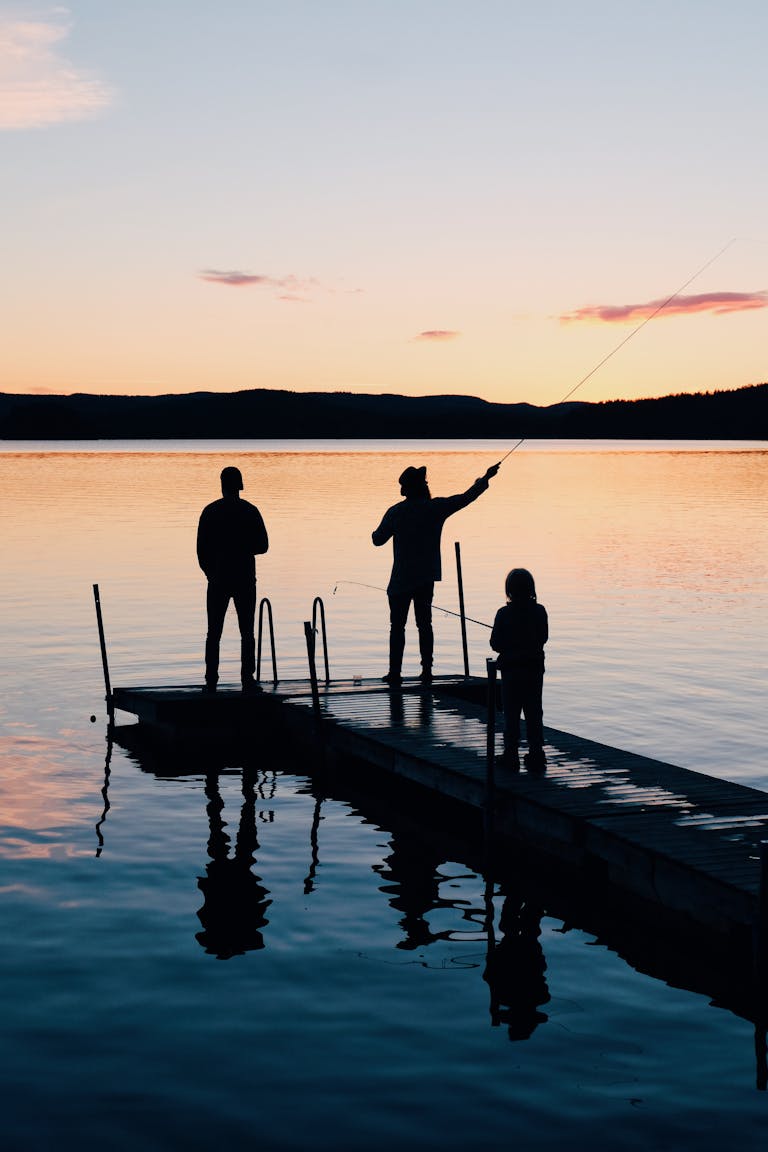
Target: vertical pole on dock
{"type": "Point", "coordinates": [761, 971]}
{"type": "Point", "coordinates": [461, 609]}
{"type": "Point", "coordinates": [490, 745]}
{"type": "Point", "coordinates": [309, 634]}
{"type": "Point", "coordinates": [761, 928]}
{"type": "Point", "coordinates": [105, 665]}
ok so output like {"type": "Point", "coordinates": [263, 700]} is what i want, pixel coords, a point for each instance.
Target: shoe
{"type": "Point", "coordinates": [535, 760]}
{"type": "Point", "coordinates": [209, 689]}
{"type": "Point", "coordinates": [426, 676]}
{"type": "Point", "coordinates": [250, 687]}
{"type": "Point", "coordinates": [394, 679]}
{"type": "Point", "coordinates": [509, 761]}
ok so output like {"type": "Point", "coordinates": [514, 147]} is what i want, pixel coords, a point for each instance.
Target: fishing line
{"type": "Point", "coordinates": [568, 395]}
{"type": "Point", "coordinates": [634, 331]}
{"type": "Point", "coordinates": [436, 607]}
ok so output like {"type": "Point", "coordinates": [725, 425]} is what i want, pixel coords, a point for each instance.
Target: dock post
{"type": "Point", "coordinates": [490, 746]}
{"type": "Point", "coordinates": [761, 927]}
{"type": "Point", "coordinates": [318, 603]}
{"type": "Point", "coordinates": [761, 971]}
{"type": "Point", "coordinates": [461, 609]}
{"type": "Point", "coordinates": [105, 665]}
{"type": "Point", "coordinates": [309, 634]}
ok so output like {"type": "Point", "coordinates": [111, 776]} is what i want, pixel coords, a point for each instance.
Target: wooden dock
{"type": "Point", "coordinates": [687, 841]}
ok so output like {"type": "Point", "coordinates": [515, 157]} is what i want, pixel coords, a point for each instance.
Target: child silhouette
{"type": "Point", "coordinates": [520, 631]}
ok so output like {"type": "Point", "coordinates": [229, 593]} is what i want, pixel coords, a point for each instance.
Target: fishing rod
{"type": "Point", "coordinates": [659, 308]}
{"type": "Point", "coordinates": [436, 607]}
{"type": "Point", "coordinates": [634, 331]}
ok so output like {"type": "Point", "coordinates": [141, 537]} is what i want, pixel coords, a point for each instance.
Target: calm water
{"type": "Point", "coordinates": [232, 958]}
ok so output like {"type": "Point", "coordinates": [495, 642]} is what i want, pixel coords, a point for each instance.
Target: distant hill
{"type": "Point", "coordinates": [264, 414]}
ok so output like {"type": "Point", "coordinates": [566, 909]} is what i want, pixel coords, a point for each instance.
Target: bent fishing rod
{"type": "Point", "coordinates": [435, 607]}
{"type": "Point", "coordinates": [634, 332]}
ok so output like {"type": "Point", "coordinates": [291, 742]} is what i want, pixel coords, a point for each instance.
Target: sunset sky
{"type": "Point", "coordinates": [412, 196]}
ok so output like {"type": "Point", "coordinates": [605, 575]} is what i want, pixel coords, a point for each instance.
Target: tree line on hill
{"type": "Point", "coordinates": [265, 414]}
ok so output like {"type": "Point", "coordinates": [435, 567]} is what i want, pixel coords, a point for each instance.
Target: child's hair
{"type": "Point", "coordinates": [519, 585]}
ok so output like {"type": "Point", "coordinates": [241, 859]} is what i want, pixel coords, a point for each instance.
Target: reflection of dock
{"type": "Point", "coordinates": [681, 839]}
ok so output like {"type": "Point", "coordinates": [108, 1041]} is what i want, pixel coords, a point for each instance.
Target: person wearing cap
{"type": "Point", "coordinates": [230, 534]}
{"type": "Point", "coordinates": [415, 526]}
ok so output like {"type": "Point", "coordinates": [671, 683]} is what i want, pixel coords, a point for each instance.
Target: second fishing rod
{"type": "Point", "coordinates": [460, 615]}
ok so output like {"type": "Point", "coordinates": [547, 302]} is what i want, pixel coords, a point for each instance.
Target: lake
{"type": "Point", "coordinates": [223, 954]}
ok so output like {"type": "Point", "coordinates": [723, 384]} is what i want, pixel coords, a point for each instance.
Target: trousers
{"type": "Point", "coordinates": [217, 601]}
{"type": "Point", "coordinates": [399, 606]}
{"type": "Point", "coordinates": [521, 691]}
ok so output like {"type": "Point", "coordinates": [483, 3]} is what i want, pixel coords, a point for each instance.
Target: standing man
{"type": "Point", "coordinates": [415, 526]}
{"type": "Point", "coordinates": [230, 534]}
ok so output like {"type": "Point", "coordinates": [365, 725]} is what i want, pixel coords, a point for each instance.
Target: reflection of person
{"type": "Point", "coordinates": [413, 889]}
{"type": "Point", "coordinates": [230, 534]}
{"type": "Point", "coordinates": [520, 631]}
{"type": "Point", "coordinates": [415, 526]}
{"type": "Point", "coordinates": [515, 970]}
{"type": "Point", "coordinates": [235, 901]}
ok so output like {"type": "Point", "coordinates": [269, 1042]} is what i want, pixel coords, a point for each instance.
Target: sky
{"type": "Point", "coordinates": [411, 196]}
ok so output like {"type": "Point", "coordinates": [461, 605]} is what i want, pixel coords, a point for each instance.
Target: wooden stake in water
{"type": "Point", "coordinates": [105, 665]}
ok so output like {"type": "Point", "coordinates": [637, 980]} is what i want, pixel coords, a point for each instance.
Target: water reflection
{"type": "Point", "coordinates": [412, 885]}
{"type": "Point", "coordinates": [417, 719]}
{"type": "Point", "coordinates": [438, 875]}
{"type": "Point", "coordinates": [105, 790]}
{"type": "Point", "coordinates": [234, 899]}
{"type": "Point", "coordinates": [309, 880]}
{"type": "Point", "coordinates": [515, 968]}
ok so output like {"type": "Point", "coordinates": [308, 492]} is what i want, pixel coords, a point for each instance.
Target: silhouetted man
{"type": "Point", "coordinates": [415, 526]}
{"type": "Point", "coordinates": [230, 534]}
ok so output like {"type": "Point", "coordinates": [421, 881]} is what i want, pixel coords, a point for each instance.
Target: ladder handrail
{"type": "Point", "coordinates": [318, 603]}
{"type": "Point", "coordinates": [265, 601]}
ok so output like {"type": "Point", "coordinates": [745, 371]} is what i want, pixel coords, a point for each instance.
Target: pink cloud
{"type": "Point", "coordinates": [284, 284]}
{"type": "Point", "coordinates": [436, 334]}
{"type": "Point", "coordinates": [38, 85]}
{"type": "Point", "coordinates": [719, 303]}
{"type": "Point", "coordinates": [236, 279]}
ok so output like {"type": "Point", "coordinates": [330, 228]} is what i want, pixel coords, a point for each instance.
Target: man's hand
{"type": "Point", "coordinates": [492, 471]}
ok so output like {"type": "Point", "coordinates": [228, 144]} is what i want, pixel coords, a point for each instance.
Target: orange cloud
{"type": "Point", "coordinates": [39, 87]}
{"type": "Point", "coordinates": [437, 334]}
{"type": "Point", "coordinates": [720, 303]}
